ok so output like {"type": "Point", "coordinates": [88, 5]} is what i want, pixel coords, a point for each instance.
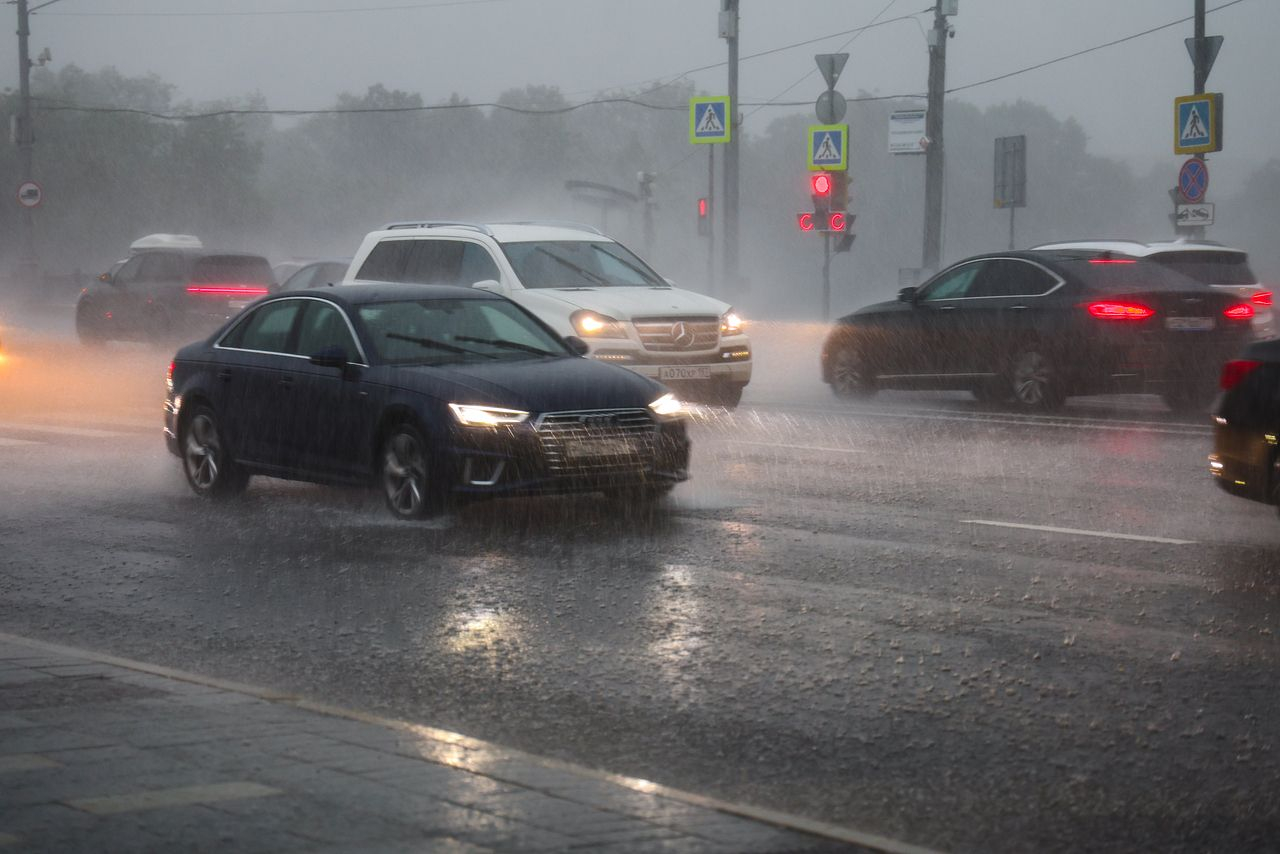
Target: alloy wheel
{"type": "Point", "coordinates": [404, 475]}
{"type": "Point", "coordinates": [203, 453]}
{"type": "Point", "coordinates": [849, 375]}
{"type": "Point", "coordinates": [1032, 379]}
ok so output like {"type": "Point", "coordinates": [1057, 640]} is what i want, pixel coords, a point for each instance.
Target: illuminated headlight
{"type": "Point", "coordinates": [589, 324]}
{"type": "Point", "coordinates": [730, 323]}
{"type": "Point", "coordinates": [668, 406]}
{"type": "Point", "coordinates": [485, 416]}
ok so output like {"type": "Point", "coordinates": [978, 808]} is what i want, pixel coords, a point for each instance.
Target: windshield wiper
{"type": "Point", "coordinates": [582, 271]}
{"type": "Point", "coordinates": [644, 274]}
{"type": "Point", "coordinates": [509, 345]}
{"type": "Point", "coordinates": [438, 345]}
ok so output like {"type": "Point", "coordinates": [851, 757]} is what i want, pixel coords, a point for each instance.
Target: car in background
{"type": "Point", "coordinates": [1036, 326]}
{"type": "Point", "coordinates": [169, 286]}
{"type": "Point", "coordinates": [1206, 261]}
{"type": "Point", "coordinates": [580, 283]}
{"type": "Point", "coordinates": [1246, 442]}
{"type": "Point", "coordinates": [316, 274]}
{"type": "Point", "coordinates": [433, 393]}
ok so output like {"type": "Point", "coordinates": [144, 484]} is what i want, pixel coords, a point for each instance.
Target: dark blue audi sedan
{"type": "Point", "coordinates": [434, 394]}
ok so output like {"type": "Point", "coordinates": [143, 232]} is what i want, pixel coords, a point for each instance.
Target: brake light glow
{"type": "Point", "coordinates": [1262, 298]}
{"type": "Point", "coordinates": [229, 290]}
{"type": "Point", "coordinates": [168, 378]}
{"type": "Point", "coordinates": [1242, 311]}
{"type": "Point", "coordinates": [1119, 310]}
{"type": "Point", "coordinates": [1234, 372]}
{"type": "Point", "coordinates": [1112, 261]}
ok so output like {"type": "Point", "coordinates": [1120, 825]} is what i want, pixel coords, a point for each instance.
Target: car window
{"type": "Point", "coordinates": [1209, 267]}
{"type": "Point", "coordinates": [447, 331]}
{"type": "Point", "coordinates": [385, 262]}
{"type": "Point", "coordinates": [1010, 277]}
{"type": "Point", "coordinates": [578, 264]}
{"type": "Point", "coordinates": [301, 279]}
{"type": "Point", "coordinates": [432, 262]}
{"type": "Point", "coordinates": [129, 272]}
{"type": "Point", "coordinates": [1115, 274]}
{"type": "Point", "coordinates": [952, 284]}
{"type": "Point", "coordinates": [265, 329]}
{"type": "Point", "coordinates": [161, 267]}
{"type": "Point", "coordinates": [233, 269]}
{"type": "Point", "coordinates": [477, 266]}
{"type": "Point", "coordinates": [323, 326]}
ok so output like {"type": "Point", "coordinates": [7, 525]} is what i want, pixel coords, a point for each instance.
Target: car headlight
{"type": "Point", "coordinates": [730, 323]}
{"type": "Point", "coordinates": [469, 415]}
{"type": "Point", "coordinates": [590, 324]}
{"type": "Point", "coordinates": [668, 406]}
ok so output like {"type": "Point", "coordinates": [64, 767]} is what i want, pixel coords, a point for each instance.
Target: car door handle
{"type": "Point", "coordinates": [1018, 307]}
{"type": "Point", "coordinates": [946, 308]}
{"type": "Point", "coordinates": [224, 374]}
{"type": "Point", "coordinates": [285, 382]}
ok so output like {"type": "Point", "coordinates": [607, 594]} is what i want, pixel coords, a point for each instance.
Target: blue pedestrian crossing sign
{"type": "Point", "coordinates": [1197, 123]}
{"type": "Point", "coordinates": [828, 147]}
{"type": "Point", "coordinates": [709, 120]}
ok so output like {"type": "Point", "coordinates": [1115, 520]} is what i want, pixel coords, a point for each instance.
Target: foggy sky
{"type": "Point", "coordinates": [1122, 95]}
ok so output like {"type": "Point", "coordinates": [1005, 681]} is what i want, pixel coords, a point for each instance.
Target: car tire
{"type": "Point", "coordinates": [407, 474]}
{"type": "Point", "coordinates": [850, 376]}
{"type": "Point", "coordinates": [207, 460]}
{"type": "Point", "coordinates": [88, 330]}
{"type": "Point", "coordinates": [1033, 380]}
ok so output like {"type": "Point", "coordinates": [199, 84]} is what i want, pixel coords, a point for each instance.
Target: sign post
{"type": "Point", "coordinates": [709, 124]}
{"type": "Point", "coordinates": [30, 194]}
{"type": "Point", "coordinates": [1011, 176]}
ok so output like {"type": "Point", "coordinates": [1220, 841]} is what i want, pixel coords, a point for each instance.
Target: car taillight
{"type": "Point", "coordinates": [1262, 298]}
{"type": "Point", "coordinates": [1241, 311]}
{"type": "Point", "coordinates": [1112, 261]}
{"type": "Point", "coordinates": [168, 377]}
{"type": "Point", "coordinates": [1234, 372]}
{"type": "Point", "coordinates": [229, 290]}
{"type": "Point", "coordinates": [1119, 310]}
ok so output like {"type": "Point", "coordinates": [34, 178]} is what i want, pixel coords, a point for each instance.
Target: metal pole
{"type": "Point", "coordinates": [1201, 73]}
{"type": "Point", "coordinates": [26, 141]}
{"type": "Point", "coordinates": [730, 11]}
{"type": "Point", "coordinates": [1011, 210]}
{"type": "Point", "coordinates": [711, 216]}
{"type": "Point", "coordinates": [826, 276]}
{"type": "Point", "coordinates": [933, 166]}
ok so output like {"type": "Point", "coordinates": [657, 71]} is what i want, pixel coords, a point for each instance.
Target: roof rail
{"type": "Point", "coordinates": [437, 223]}
{"type": "Point", "coordinates": [556, 223]}
{"type": "Point", "coordinates": [1089, 240]}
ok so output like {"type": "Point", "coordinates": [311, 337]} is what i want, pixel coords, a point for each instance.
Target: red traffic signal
{"type": "Point", "coordinates": [805, 221]}
{"type": "Point", "coordinates": [704, 208]}
{"type": "Point", "coordinates": [704, 217]}
{"type": "Point", "coordinates": [836, 221]}
{"type": "Point", "coordinates": [821, 184]}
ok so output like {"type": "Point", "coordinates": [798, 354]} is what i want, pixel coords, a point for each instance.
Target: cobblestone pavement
{"type": "Point", "coordinates": [103, 754]}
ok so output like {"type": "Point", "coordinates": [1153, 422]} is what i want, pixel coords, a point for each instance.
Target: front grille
{"type": "Point", "coordinates": [599, 441]}
{"type": "Point", "coordinates": [677, 334]}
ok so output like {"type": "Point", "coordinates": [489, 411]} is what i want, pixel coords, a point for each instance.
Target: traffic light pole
{"type": "Point", "coordinates": [1201, 74]}
{"type": "Point", "coordinates": [711, 231]}
{"type": "Point", "coordinates": [26, 140]}
{"type": "Point", "coordinates": [934, 154]}
{"type": "Point", "coordinates": [729, 28]}
{"type": "Point", "coordinates": [826, 276]}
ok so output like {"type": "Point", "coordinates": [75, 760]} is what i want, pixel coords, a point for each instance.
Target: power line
{"type": "Point", "coordinates": [436, 4]}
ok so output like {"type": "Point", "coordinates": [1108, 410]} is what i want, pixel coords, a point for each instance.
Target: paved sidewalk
{"type": "Point", "coordinates": [103, 754]}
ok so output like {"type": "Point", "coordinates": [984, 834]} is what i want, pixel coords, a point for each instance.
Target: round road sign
{"type": "Point", "coordinates": [1193, 180]}
{"type": "Point", "coordinates": [30, 194]}
{"type": "Point", "coordinates": [830, 107]}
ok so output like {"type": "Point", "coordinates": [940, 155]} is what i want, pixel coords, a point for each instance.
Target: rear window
{"type": "Point", "coordinates": [233, 269]}
{"type": "Point", "coordinates": [1118, 274]}
{"type": "Point", "coordinates": [1209, 267]}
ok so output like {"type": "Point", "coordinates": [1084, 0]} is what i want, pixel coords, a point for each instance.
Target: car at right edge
{"type": "Point", "coordinates": [1032, 327]}
{"type": "Point", "coordinates": [1246, 444]}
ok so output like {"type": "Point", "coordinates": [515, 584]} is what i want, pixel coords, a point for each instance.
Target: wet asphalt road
{"type": "Point", "coordinates": [832, 618]}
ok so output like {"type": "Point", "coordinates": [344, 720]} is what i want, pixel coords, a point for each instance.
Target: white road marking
{"type": "Point", "coordinates": [57, 429]}
{"type": "Point", "coordinates": [1055, 530]}
{"type": "Point", "coordinates": [779, 447]}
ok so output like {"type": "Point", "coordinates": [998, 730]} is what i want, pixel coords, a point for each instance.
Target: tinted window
{"type": "Point", "coordinates": [1008, 277]}
{"type": "Point", "coordinates": [432, 262]}
{"type": "Point", "coordinates": [129, 272]}
{"type": "Point", "coordinates": [578, 264]}
{"type": "Point", "coordinates": [443, 331]}
{"type": "Point", "coordinates": [385, 262]}
{"type": "Point", "coordinates": [265, 328]}
{"type": "Point", "coordinates": [233, 270]}
{"type": "Point", "coordinates": [1121, 275]}
{"type": "Point", "coordinates": [952, 284]}
{"type": "Point", "coordinates": [477, 265]}
{"type": "Point", "coordinates": [322, 326]}
{"type": "Point", "coordinates": [1209, 267]}
{"type": "Point", "coordinates": [162, 267]}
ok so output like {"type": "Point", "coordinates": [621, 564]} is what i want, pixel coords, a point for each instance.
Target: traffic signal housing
{"type": "Point", "coordinates": [704, 217]}
{"type": "Point", "coordinates": [821, 185]}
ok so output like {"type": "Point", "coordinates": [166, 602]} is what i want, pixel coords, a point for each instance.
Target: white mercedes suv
{"type": "Point", "coordinates": [579, 282]}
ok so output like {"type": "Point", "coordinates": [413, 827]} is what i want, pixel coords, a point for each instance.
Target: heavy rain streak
{"type": "Point", "coordinates": [560, 425]}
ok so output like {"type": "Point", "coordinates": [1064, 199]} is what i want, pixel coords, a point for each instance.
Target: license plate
{"type": "Point", "coordinates": [1188, 324]}
{"type": "Point", "coordinates": [586, 448]}
{"type": "Point", "coordinates": [684, 372]}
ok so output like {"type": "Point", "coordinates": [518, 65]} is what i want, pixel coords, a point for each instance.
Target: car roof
{"type": "Point", "coordinates": [503, 232]}
{"type": "Point", "coordinates": [373, 292]}
{"type": "Point", "coordinates": [1142, 250]}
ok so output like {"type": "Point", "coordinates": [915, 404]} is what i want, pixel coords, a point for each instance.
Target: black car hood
{"type": "Point", "coordinates": [536, 385]}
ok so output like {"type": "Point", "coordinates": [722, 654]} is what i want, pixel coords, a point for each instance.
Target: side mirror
{"type": "Point", "coordinates": [105, 277]}
{"type": "Point", "coordinates": [329, 357]}
{"type": "Point", "coordinates": [491, 285]}
{"type": "Point", "coordinates": [577, 346]}
{"type": "Point", "coordinates": [908, 294]}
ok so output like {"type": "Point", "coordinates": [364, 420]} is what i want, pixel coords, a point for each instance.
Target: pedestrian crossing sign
{"type": "Point", "coordinates": [828, 147]}
{"type": "Point", "coordinates": [1197, 123]}
{"type": "Point", "coordinates": [709, 120]}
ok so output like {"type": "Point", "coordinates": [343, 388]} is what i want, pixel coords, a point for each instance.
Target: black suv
{"type": "Point", "coordinates": [1035, 326]}
{"type": "Point", "coordinates": [168, 289]}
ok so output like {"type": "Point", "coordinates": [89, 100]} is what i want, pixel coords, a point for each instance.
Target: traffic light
{"type": "Point", "coordinates": [839, 191]}
{"type": "Point", "coordinates": [805, 220]}
{"type": "Point", "coordinates": [820, 186]}
{"type": "Point", "coordinates": [704, 217]}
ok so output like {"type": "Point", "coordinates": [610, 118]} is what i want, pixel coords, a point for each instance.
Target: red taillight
{"type": "Point", "coordinates": [229, 290]}
{"type": "Point", "coordinates": [1241, 311]}
{"type": "Point", "coordinates": [168, 377]}
{"type": "Point", "coordinates": [1262, 298]}
{"type": "Point", "coordinates": [1112, 261]}
{"type": "Point", "coordinates": [1119, 310]}
{"type": "Point", "coordinates": [1234, 372]}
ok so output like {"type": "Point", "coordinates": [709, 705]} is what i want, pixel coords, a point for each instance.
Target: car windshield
{"type": "Point", "coordinates": [453, 331]}
{"type": "Point", "coordinates": [579, 264]}
{"type": "Point", "coordinates": [1209, 267]}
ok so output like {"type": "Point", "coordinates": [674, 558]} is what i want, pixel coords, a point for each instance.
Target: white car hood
{"type": "Point", "coordinates": [621, 303]}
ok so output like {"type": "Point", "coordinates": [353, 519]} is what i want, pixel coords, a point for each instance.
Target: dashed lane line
{"type": "Point", "coordinates": [1079, 532]}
